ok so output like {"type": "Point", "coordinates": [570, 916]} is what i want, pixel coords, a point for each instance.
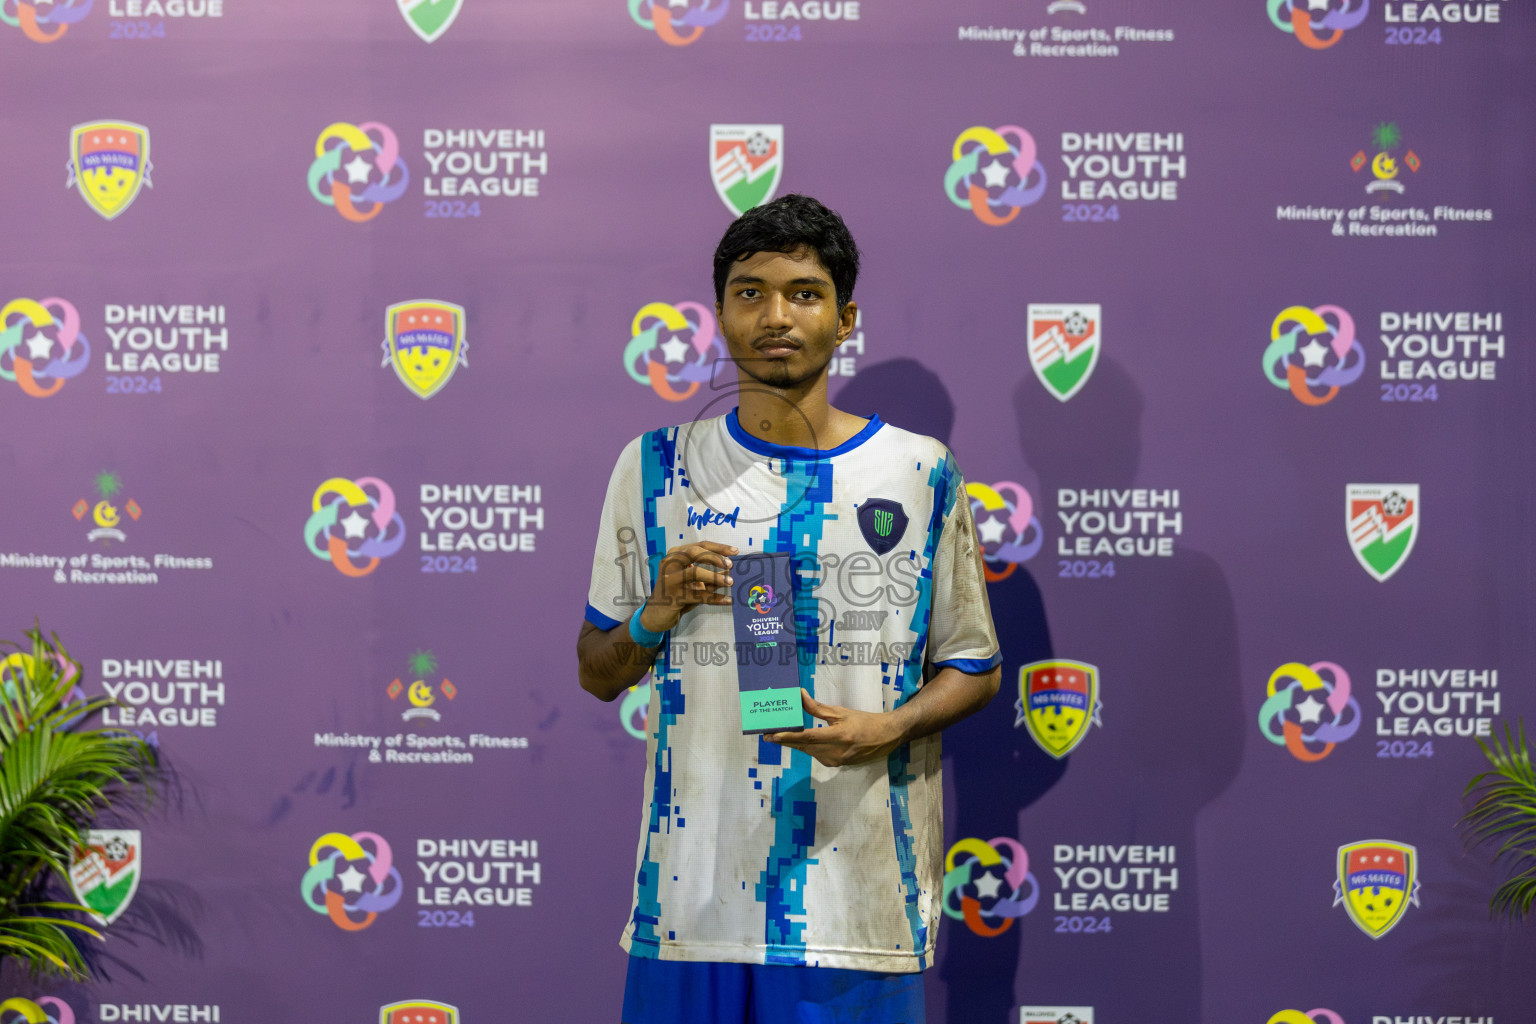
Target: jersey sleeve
{"type": "Point", "coordinates": [620, 572]}
{"type": "Point", "coordinates": [961, 634]}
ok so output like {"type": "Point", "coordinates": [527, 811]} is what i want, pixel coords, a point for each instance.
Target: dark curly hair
{"type": "Point", "coordinates": [784, 225]}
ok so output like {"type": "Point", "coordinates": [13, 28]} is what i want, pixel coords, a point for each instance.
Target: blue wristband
{"type": "Point", "coordinates": [643, 636]}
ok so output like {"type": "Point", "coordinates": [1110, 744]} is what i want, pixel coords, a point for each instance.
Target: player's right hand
{"type": "Point", "coordinates": [689, 575]}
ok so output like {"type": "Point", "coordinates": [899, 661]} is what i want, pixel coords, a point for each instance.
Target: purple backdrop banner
{"type": "Point", "coordinates": [321, 326]}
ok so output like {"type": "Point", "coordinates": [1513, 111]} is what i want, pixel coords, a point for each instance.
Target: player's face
{"type": "Point", "coordinates": [780, 318]}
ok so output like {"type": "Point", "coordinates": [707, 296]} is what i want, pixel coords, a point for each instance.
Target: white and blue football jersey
{"type": "Point", "coordinates": [755, 853]}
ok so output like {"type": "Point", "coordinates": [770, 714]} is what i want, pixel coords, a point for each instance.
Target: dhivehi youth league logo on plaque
{"type": "Point", "coordinates": [1064, 346]}
{"type": "Point", "coordinates": [105, 873]}
{"type": "Point", "coordinates": [1377, 879]}
{"type": "Point", "coordinates": [1058, 701]}
{"type": "Point", "coordinates": [424, 342]}
{"type": "Point", "coordinates": [1383, 522]}
{"type": "Point", "coordinates": [745, 163]}
{"type": "Point", "coordinates": [429, 18]}
{"type": "Point", "coordinates": [109, 163]}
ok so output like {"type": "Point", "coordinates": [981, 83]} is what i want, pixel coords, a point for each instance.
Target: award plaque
{"type": "Point", "coordinates": [767, 666]}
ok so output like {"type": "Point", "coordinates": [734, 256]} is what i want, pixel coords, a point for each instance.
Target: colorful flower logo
{"type": "Point", "coordinates": [371, 522]}
{"type": "Point", "coordinates": [1308, 726]}
{"type": "Point", "coordinates": [760, 598]}
{"type": "Point", "coordinates": [368, 885]}
{"type": "Point", "coordinates": [1310, 1017]}
{"type": "Point", "coordinates": [1314, 371]}
{"type": "Point", "coordinates": [368, 156]}
{"type": "Point", "coordinates": [1004, 187]}
{"type": "Point", "coordinates": [44, 26]}
{"type": "Point", "coordinates": [696, 15]}
{"type": "Point", "coordinates": [51, 356]}
{"type": "Point", "coordinates": [686, 356]}
{"type": "Point", "coordinates": [1319, 16]}
{"type": "Point", "coordinates": [34, 1013]}
{"type": "Point", "coordinates": [1005, 516]}
{"type": "Point", "coordinates": [984, 884]}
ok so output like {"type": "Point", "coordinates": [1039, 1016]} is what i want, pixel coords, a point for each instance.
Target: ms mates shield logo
{"type": "Point", "coordinates": [419, 1011]}
{"type": "Point", "coordinates": [109, 164]}
{"type": "Point", "coordinates": [1377, 879]}
{"type": "Point", "coordinates": [1058, 701]}
{"type": "Point", "coordinates": [424, 342]}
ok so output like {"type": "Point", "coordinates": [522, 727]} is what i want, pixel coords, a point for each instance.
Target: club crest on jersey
{"type": "Point", "coordinates": [1383, 523]}
{"type": "Point", "coordinates": [105, 872]}
{"type": "Point", "coordinates": [109, 163]}
{"type": "Point", "coordinates": [1058, 701]}
{"type": "Point", "coordinates": [424, 342]}
{"type": "Point", "coordinates": [1377, 879]}
{"type": "Point", "coordinates": [1064, 345]}
{"type": "Point", "coordinates": [882, 522]}
{"type": "Point", "coordinates": [745, 163]}
{"type": "Point", "coordinates": [429, 18]}
{"type": "Point", "coordinates": [425, 1011]}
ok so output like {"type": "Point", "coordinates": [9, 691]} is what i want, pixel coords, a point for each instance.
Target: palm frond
{"type": "Point", "coordinates": [58, 773]}
{"type": "Point", "coordinates": [1504, 812]}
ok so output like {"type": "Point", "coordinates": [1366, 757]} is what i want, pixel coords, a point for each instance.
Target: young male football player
{"type": "Point", "coordinates": [797, 875]}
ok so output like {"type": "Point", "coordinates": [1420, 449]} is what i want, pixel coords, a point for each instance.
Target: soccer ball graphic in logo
{"type": "Point", "coordinates": [1394, 504]}
{"type": "Point", "coordinates": [1058, 701]}
{"type": "Point", "coordinates": [761, 599]}
{"type": "Point", "coordinates": [116, 848]}
{"type": "Point", "coordinates": [759, 145]}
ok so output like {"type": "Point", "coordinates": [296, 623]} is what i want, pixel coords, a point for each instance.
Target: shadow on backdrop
{"type": "Point", "coordinates": [994, 770]}
{"type": "Point", "coordinates": [1162, 633]}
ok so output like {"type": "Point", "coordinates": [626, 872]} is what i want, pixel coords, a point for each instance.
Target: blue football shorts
{"type": "Point", "coordinates": [688, 992]}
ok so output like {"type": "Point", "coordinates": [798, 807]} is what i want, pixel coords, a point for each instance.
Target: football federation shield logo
{"type": "Point", "coordinates": [429, 18]}
{"type": "Point", "coordinates": [882, 522]}
{"type": "Point", "coordinates": [109, 163]}
{"type": "Point", "coordinates": [105, 874]}
{"type": "Point", "coordinates": [745, 163]}
{"type": "Point", "coordinates": [1383, 521]}
{"type": "Point", "coordinates": [1377, 879]}
{"type": "Point", "coordinates": [419, 1011]}
{"type": "Point", "coordinates": [1056, 1015]}
{"type": "Point", "coordinates": [1064, 346]}
{"type": "Point", "coordinates": [1058, 701]}
{"type": "Point", "coordinates": [424, 342]}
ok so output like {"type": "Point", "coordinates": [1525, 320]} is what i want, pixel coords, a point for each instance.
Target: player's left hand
{"type": "Point", "coordinates": [849, 737]}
